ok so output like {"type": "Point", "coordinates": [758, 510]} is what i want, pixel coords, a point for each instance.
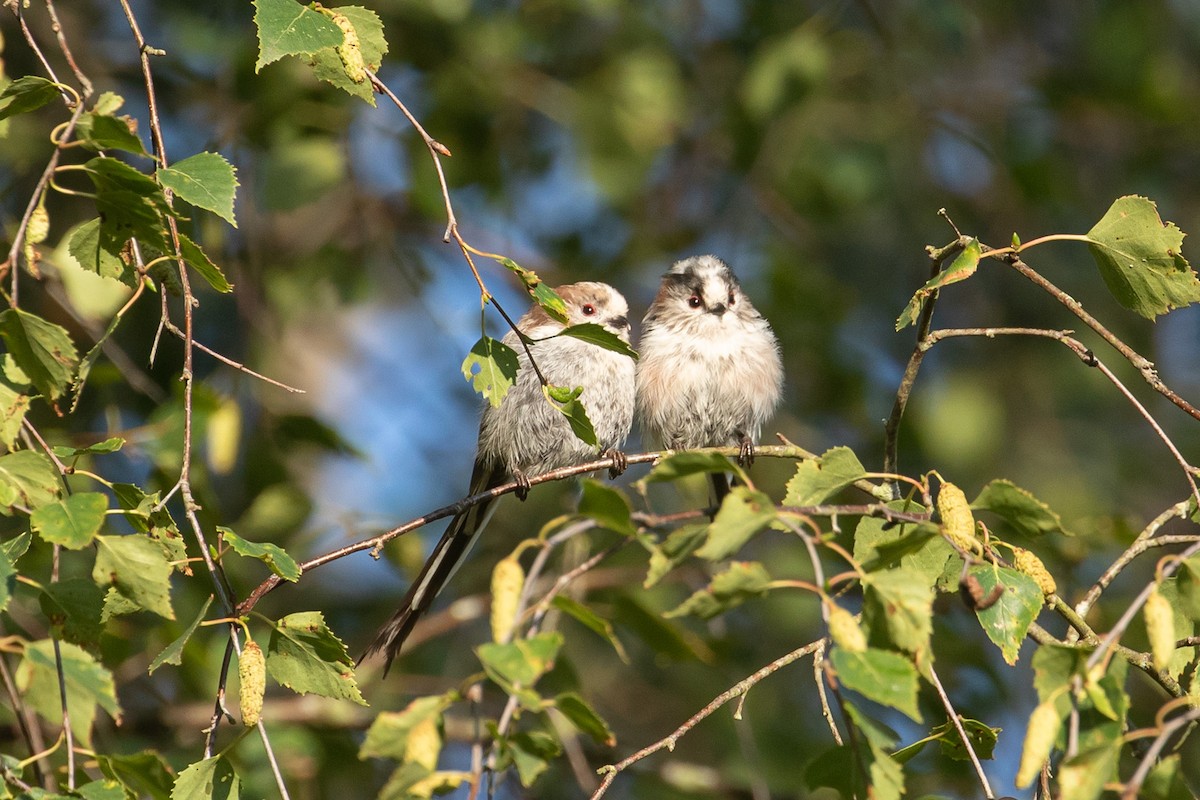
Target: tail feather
{"type": "Point", "coordinates": [453, 547]}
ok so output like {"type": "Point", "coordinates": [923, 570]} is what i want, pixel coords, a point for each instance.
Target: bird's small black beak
{"type": "Point", "coordinates": [719, 309]}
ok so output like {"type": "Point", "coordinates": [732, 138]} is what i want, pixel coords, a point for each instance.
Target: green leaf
{"type": "Point", "coordinates": [88, 686]}
{"type": "Point", "coordinates": [961, 268]}
{"type": "Point", "coordinates": [98, 253]}
{"type": "Point", "coordinates": [173, 653]}
{"type": "Point", "coordinates": [26, 94]}
{"type": "Point", "coordinates": [729, 589]}
{"type": "Point", "coordinates": [681, 465]}
{"type": "Point", "coordinates": [568, 403]}
{"type": "Point", "coordinates": [199, 261]}
{"type": "Point", "coordinates": [888, 678]}
{"type": "Point", "coordinates": [1188, 585]}
{"type": "Point", "coordinates": [136, 567]}
{"type": "Point", "coordinates": [901, 600]}
{"type": "Point", "coordinates": [674, 550]}
{"type": "Point", "coordinates": [205, 180]}
{"type": "Point", "coordinates": [102, 790]}
{"type": "Point", "coordinates": [542, 294]}
{"type": "Point", "coordinates": [144, 774]}
{"type": "Point", "coordinates": [816, 480]}
{"type": "Point", "coordinates": [600, 336]}
{"type": "Point", "coordinates": [97, 131]}
{"type": "Point", "coordinates": [286, 28]}
{"type": "Point", "coordinates": [491, 367]}
{"type": "Point", "coordinates": [28, 479]}
{"type": "Point", "coordinates": [879, 544]}
{"type": "Point", "coordinates": [17, 546]}
{"type": "Point", "coordinates": [42, 350]}
{"type": "Point", "coordinates": [1008, 619]}
{"type": "Point", "coordinates": [274, 556]}
{"type": "Point", "coordinates": [608, 507]}
{"type": "Point", "coordinates": [743, 513]}
{"type": "Point", "coordinates": [887, 777]}
{"type": "Point", "coordinates": [14, 404]}
{"type": "Point", "coordinates": [8, 578]}
{"type": "Point", "coordinates": [1140, 258]}
{"type": "Point", "coordinates": [1083, 776]}
{"type": "Point", "coordinates": [521, 663]}
{"type": "Point", "coordinates": [131, 205]}
{"type": "Point", "coordinates": [388, 735]}
{"type": "Point", "coordinates": [531, 753]}
{"type": "Point", "coordinates": [340, 66]}
{"type": "Point", "coordinates": [1026, 514]}
{"type": "Point", "coordinates": [590, 619]}
{"type": "Point", "coordinates": [72, 522]}
{"type": "Point", "coordinates": [74, 607]}
{"type": "Point", "coordinates": [982, 737]}
{"type": "Point", "coordinates": [210, 779]}
{"type": "Point", "coordinates": [1184, 627]}
{"type": "Point", "coordinates": [107, 446]}
{"type": "Point", "coordinates": [1166, 781]}
{"type": "Point", "coordinates": [584, 718]}
{"type": "Point", "coordinates": [305, 656]}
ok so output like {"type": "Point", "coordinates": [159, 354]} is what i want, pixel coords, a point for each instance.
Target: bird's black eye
{"type": "Point", "coordinates": [732, 298]}
{"type": "Point", "coordinates": [694, 301]}
{"type": "Point", "coordinates": [588, 309]}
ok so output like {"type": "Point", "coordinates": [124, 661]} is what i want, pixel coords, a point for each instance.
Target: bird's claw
{"type": "Point", "coordinates": [745, 452]}
{"type": "Point", "coordinates": [620, 462]}
{"type": "Point", "coordinates": [523, 485]}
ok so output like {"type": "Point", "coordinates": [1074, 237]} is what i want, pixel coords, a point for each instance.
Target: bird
{"type": "Point", "coordinates": [526, 436]}
{"type": "Point", "coordinates": [710, 372]}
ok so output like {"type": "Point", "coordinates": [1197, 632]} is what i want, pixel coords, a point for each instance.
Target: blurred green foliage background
{"type": "Point", "coordinates": [810, 144]}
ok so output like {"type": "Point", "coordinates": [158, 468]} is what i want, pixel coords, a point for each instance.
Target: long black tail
{"type": "Point", "coordinates": [455, 543]}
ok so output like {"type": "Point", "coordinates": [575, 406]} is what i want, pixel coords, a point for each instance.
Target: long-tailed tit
{"type": "Point", "coordinates": [710, 372]}
{"type": "Point", "coordinates": [526, 436]}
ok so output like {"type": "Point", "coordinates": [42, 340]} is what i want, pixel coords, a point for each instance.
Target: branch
{"type": "Point", "coordinates": [737, 690]}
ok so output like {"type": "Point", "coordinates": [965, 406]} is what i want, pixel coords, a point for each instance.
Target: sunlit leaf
{"type": "Point", "coordinates": [520, 663]}
{"type": "Point", "coordinates": [743, 513]}
{"type": "Point", "coordinates": [110, 445]}
{"type": "Point", "coordinates": [1084, 776]}
{"type": "Point", "coordinates": [962, 267]}
{"type": "Point", "coordinates": [491, 367]}
{"type": "Point", "coordinates": [818, 479]}
{"type": "Point", "coordinates": [28, 479]}
{"type": "Point", "coordinates": [901, 599]}
{"type": "Point", "coordinates": [88, 685]}
{"type": "Point", "coordinates": [99, 254]}
{"type": "Point", "coordinates": [210, 779]}
{"type": "Point", "coordinates": [274, 556]}
{"type": "Point", "coordinates": [287, 28]}
{"type": "Point", "coordinates": [681, 465]}
{"type": "Point", "coordinates": [71, 522]}
{"type": "Point", "coordinates": [195, 256]}
{"type": "Point", "coordinates": [740, 582]}
{"type": "Point", "coordinates": [305, 656]}
{"type": "Point", "coordinates": [137, 568]}
{"type": "Point", "coordinates": [1008, 619]}
{"type": "Point", "coordinates": [888, 678]}
{"type": "Point", "coordinates": [44, 351]}
{"type": "Point", "coordinates": [388, 736]}
{"type": "Point", "coordinates": [1140, 258]}
{"type": "Point", "coordinates": [173, 653]}
{"type": "Point", "coordinates": [205, 180]}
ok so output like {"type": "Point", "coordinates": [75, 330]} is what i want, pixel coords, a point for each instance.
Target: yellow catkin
{"type": "Point", "coordinates": [1044, 724]}
{"type": "Point", "coordinates": [1160, 628]}
{"type": "Point", "coordinates": [508, 581]}
{"type": "Point", "coordinates": [1031, 565]}
{"type": "Point", "coordinates": [958, 523]}
{"type": "Point", "coordinates": [252, 672]}
{"type": "Point", "coordinates": [845, 631]}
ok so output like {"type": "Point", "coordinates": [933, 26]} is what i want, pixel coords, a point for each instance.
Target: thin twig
{"type": "Point", "coordinates": [173, 328]}
{"type": "Point", "coordinates": [1141, 363]}
{"type": "Point", "coordinates": [27, 724]}
{"type": "Point", "coordinates": [956, 721]}
{"type": "Point", "coordinates": [1148, 761]}
{"type": "Point", "coordinates": [611, 771]}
